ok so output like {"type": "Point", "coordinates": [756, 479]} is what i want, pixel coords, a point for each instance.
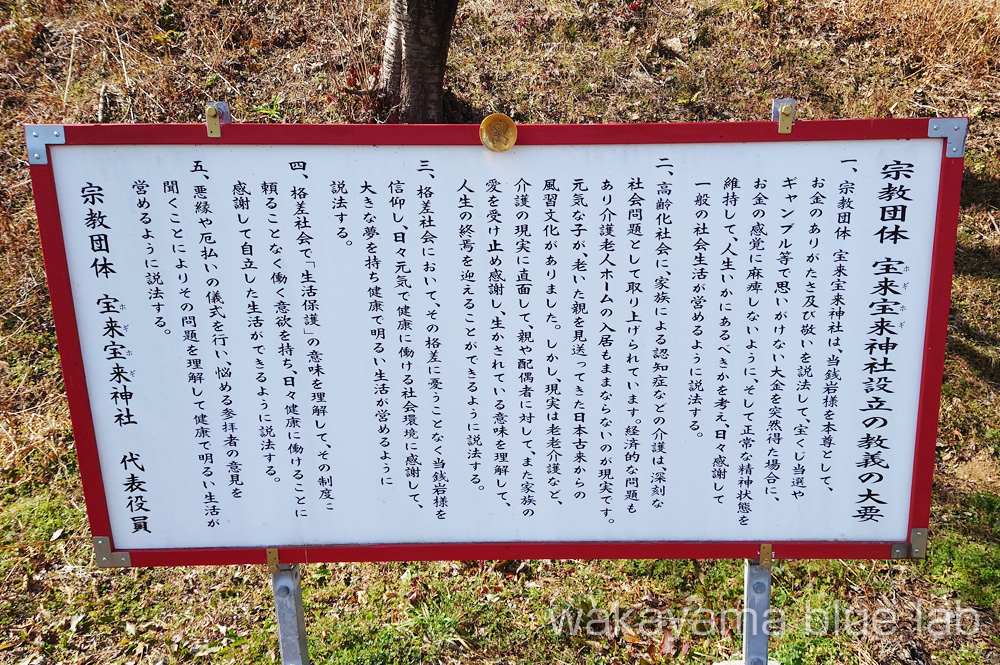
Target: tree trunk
{"type": "Point", "coordinates": [411, 79]}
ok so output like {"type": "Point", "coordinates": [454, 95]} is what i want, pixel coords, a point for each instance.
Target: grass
{"type": "Point", "coordinates": [539, 61]}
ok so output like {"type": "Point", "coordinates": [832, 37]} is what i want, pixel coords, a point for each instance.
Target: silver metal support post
{"type": "Point", "coordinates": [287, 586]}
{"type": "Point", "coordinates": [756, 612]}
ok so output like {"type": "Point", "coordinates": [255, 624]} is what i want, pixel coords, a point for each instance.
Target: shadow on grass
{"type": "Point", "coordinates": [459, 111]}
{"type": "Point", "coordinates": [966, 555]}
{"type": "Point", "coordinates": [977, 261]}
{"type": "Point", "coordinates": [980, 190]}
{"type": "Point", "coordinates": [985, 367]}
{"type": "Point", "coordinates": [979, 193]}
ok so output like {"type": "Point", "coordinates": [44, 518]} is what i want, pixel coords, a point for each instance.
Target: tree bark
{"type": "Point", "coordinates": [411, 79]}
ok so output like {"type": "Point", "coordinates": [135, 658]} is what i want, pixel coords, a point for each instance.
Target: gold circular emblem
{"type": "Point", "coordinates": [498, 132]}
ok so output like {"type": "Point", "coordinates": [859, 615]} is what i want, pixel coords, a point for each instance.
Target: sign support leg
{"type": "Point", "coordinates": [287, 586]}
{"type": "Point", "coordinates": [756, 612]}
{"type": "Point", "coordinates": [756, 615]}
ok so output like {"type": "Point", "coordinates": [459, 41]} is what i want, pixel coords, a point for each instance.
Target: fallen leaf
{"type": "Point", "coordinates": [726, 631]}
{"type": "Point", "coordinates": [208, 650]}
{"type": "Point", "coordinates": [590, 643]}
{"type": "Point", "coordinates": [629, 635]}
{"type": "Point", "coordinates": [667, 645]}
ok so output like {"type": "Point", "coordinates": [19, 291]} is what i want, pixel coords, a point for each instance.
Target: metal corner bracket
{"type": "Point", "coordinates": [918, 544]}
{"type": "Point", "coordinates": [273, 563]}
{"type": "Point", "coordinates": [783, 113]}
{"type": "Point", "coordinates": [106, 558]}
{"type": "Point", "coordinates": [915, 549]}
{"type": "Point", "coordinates": [39, 137]}
{"type": "Point", "coordinates": [766, 555]}
{"type": "Point", "coordinates": [952, 129]}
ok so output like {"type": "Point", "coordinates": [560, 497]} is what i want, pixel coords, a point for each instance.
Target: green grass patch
{"type": "Point", "coordinates": [971, 569]}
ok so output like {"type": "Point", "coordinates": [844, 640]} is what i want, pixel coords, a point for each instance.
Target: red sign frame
{"type": "Point", "coordinates": [72, 357]}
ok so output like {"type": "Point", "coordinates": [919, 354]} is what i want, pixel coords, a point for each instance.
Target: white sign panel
{"type": "Point", "coordinates": [316, 345]}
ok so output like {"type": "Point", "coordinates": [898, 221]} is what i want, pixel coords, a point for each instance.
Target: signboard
{"type": "Point", "coordinates": [356, 343]}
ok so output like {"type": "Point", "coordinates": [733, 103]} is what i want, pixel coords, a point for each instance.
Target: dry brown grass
{"type": "Point", "coordinates": [939, 36]}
